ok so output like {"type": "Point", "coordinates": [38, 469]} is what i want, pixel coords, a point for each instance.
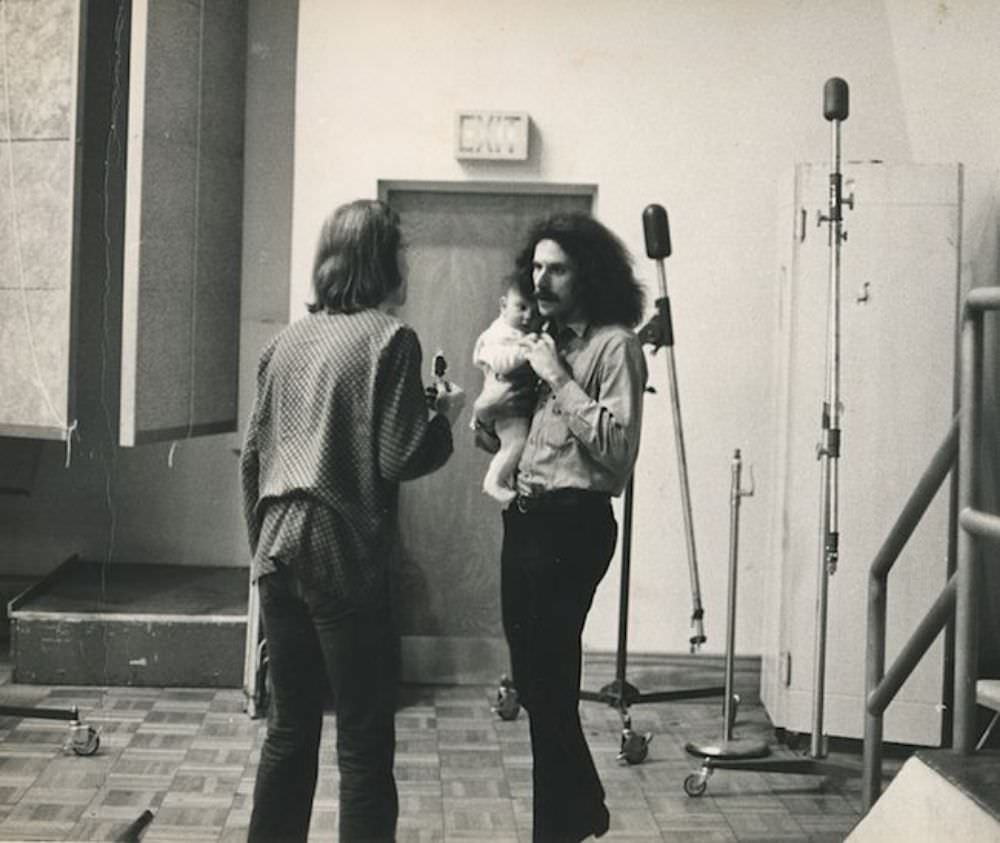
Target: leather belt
{"type": "Point", "coordinates": [559, 499]}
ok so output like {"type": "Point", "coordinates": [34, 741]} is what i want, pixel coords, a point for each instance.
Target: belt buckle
{"type": "Point", "coordinates": [523, 504]}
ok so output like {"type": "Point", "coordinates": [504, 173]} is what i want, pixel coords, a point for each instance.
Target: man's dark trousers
{"type": "Point", "coordinates": [554, 555]}
{"type": "Point", "coordinates": [311, 637]}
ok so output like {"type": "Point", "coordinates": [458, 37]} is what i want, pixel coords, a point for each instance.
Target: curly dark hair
{"type": "Point", "coordinates": [607, 288]}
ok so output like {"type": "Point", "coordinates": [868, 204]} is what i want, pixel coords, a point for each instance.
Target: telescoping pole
{"type": "Point", "coordinates": [657, 233]}
{"type": "Point", "coordinates": [728, 746]}
{"type": "Point", "coordinates": [835, 110]}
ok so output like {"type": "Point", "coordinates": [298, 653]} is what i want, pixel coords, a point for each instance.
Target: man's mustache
{"type": "Point", "coordinates": [544, 295]}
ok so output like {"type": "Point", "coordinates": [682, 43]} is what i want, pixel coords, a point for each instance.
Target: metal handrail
{"type": "Point", "coordinates": [913, 651]}
{"type": "Point", "coordinates": [913, 511]}
{"type": "Point", "coordinates": [980, 523]}
{"type": "Point", "coordinates": [958, 597]}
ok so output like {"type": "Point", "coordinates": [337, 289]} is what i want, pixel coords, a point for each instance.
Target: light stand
{"type": "Point", "coordinates": [620, 693]}
{"type": "Point", "coordinates": [729, 747]}
{"type": "Point", "coordinates": [835, 110]}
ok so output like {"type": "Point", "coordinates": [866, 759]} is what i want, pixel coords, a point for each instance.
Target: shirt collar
{"type": "Point", "coordinates": [578, 328]}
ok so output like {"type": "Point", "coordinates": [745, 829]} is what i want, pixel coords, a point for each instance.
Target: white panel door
{"type": "Point", "coordinates": [900, 267]}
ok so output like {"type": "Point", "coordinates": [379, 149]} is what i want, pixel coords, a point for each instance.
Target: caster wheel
{"type": "Point", "coordinates": [695, 785]}
{"type": "Point", "coordinates": [85, 740]}
{"type": "Point", "coordinates": [507, 705]}
{"type": "Point", "coordinates": [635, 747]}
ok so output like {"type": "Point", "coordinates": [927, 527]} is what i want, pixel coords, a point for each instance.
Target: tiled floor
{"type": "Point", "coordinates": [464, 775]}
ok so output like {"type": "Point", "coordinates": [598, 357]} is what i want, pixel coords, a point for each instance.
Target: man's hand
{"type": "Point", "coordinates": [449, 403]}
{"type": "Point", "coordinates": [544, 359]}
{"type": "Point", "coordinates": [486, 440]}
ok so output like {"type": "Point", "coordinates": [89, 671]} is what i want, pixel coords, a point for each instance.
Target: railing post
{"type": "Point", "coordinates": [878, 597]}
{"type": "Point", "coordinates": [871, 774]}
{"type": "Point", "coordinates": [966, 641]}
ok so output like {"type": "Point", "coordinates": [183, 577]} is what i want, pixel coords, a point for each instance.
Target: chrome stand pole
{"type": "Point", "coordinates": [659, 332]}
{"type": "Point", "coordinates": [835, 109]}
{"type": "Point", "coordinates": [730, 747]}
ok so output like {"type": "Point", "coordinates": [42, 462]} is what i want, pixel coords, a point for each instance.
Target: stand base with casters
{"type": "Point", "coordinates": [621, 694]}
{"type": "Point", "coordinates": [697, 783]}
{"type": "Point", "coordinates": [83, 739]}
{"type": "Point", "coordinates": [634, 745]}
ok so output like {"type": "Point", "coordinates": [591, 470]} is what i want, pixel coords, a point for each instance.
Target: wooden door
{"type": "Point", "coordinates": [900, 288]}
{"type": "Point", "coordinates": [460, 245]}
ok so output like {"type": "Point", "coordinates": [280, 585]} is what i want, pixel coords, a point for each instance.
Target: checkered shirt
{"type": "Point", "coordinates": [338, 422]}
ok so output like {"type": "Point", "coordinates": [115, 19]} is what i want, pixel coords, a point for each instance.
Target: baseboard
{"type": "Point", "coordinates": [450, 660]}
{"type": "Point", "coordinates": [668, 660]}
{"type": "Point", "coordinates": [453, 660]}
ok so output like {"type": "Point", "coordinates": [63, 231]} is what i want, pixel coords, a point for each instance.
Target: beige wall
{"type": "Point", "coordinates": [697, 106]}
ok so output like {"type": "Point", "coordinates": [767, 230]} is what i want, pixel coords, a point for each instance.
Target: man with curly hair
{"type": "Point", "coordinates": [560, 532]}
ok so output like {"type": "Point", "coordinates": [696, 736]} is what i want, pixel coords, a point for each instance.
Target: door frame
{"type": "Point", "coordinates": [500, 188]}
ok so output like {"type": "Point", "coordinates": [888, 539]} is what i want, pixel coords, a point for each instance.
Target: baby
{"type": "Point", "coordinates": [499, 353]}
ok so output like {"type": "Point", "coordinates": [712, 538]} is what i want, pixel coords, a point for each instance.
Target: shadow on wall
{"type": "Point", "coordinates": [19, 459]}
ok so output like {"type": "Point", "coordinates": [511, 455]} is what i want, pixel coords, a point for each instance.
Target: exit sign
{"type": "Point", "coordinates": [492, 135]}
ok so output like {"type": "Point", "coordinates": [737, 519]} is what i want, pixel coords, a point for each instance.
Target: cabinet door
{"type": "Point", "coordinates": [899, 295]}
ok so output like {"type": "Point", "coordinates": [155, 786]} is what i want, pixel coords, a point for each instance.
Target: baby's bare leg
{"type": "Point", "coordinates": [499, 480]}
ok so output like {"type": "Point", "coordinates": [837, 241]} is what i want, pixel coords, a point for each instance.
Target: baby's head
{"type": "Point", "coordinates": [517, 306]}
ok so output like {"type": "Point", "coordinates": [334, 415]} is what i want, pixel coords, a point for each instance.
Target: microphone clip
{"type": "Point", "coordinates": [659, 330]}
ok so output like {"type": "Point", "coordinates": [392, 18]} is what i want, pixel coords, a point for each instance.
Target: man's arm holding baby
{"type": "Point", "coordinates": [499, 399]}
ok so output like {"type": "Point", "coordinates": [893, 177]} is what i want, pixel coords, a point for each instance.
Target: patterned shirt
{"type": "Point", "coordinates": [586, 434]}
{"type": "Point", "coordinates": [338, 421]}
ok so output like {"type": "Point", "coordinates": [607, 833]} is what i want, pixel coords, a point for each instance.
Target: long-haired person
{"type": "Point", "coordinates": [340, 418]}
{"type": "Point", "coordinates": [560, 532]}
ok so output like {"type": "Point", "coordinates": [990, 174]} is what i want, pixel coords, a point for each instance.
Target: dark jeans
{"type": "Point", "coordinates": [552, 562]}
{"type": "Point", "coordinates": [312, 639]}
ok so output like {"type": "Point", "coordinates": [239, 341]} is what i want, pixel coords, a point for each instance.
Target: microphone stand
{"type": "Point", "coordinates": [835, 110]}
{"type": "Point", "coordinates": [620, 693]}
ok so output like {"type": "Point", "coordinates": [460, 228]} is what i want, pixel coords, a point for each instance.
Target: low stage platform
{"type": "Point", "coordinates": [94, 623]}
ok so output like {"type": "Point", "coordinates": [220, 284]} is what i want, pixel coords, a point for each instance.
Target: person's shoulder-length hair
{"type": "Point", "coordinates": [357, 258]}
{"type": "Point", "coordinates": [607, 288]}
